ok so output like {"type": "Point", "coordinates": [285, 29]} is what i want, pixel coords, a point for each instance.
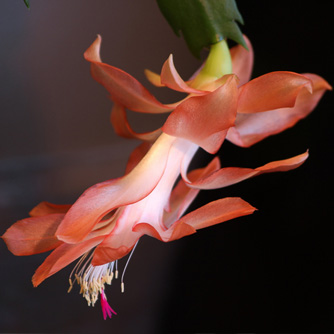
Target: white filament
{"type": "Point", "coordinates": [92, 279]}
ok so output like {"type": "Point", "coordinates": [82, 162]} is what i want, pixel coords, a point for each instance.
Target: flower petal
{"type": "Point", "coordinates": [107, 252]}
{"type": "Point", "coordinates": [123, 88]}
{"type": "Point", "coordinates": [102, 198]}
{"type": "Point", "coordinates": [204, 119]}
{"type": "Point", "coordinates": [252, 128]}
{"type": "Point", "coordinates": [45, 208]}
{"type": "Point", "coordinates": [182, 195]}
{"type": "Point", "coordinates": [176, 231]}
{"type": "Point", "coordinates": [123, 128]}
{"type": "Point", "coordinates": [116, 245]}
{"type": "Point", "coordinates": [210, 214]}
{"type": "Point", "coordinates": [231, 175]}
{"type": "Point", "coordinates": [181, 198]}
{"type": "Point", "coordinates": [217, 212]}
{"type": "Point", "coordinates": [136, 156]}
{"type": "Point", "coordinates": [61, 257]}
{"type": "Point", "coordinates": [171, 78]}
{"type": "Point", "coordinates": [33, 235]}
{"type": "Point", "coordinates": [242, 61]}
{"type": "Point", "coordinates": [153, 78]}
{"type": "Point", "coordinates": [148, 210]}
{"type": "Point", "coordinates": [271, 91]}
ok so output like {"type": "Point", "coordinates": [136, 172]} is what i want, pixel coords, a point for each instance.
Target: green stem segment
{"type": "Point", "coordinates": [203, 22]}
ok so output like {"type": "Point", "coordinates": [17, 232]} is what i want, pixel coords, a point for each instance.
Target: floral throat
{"type": "Point", "coordinates": [108, 219]}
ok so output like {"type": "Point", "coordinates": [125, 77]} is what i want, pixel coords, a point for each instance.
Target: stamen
{"type": "Point", "coordinates": [126, 265]}
{"type": "Point", "coordinates": [92, 279]}
{"type": "Point", "coordinates": [116, 271]}
{"type": "Point", "coordinates": [71, 285]}
{"type": "Point", "coordinates": [79, 263]}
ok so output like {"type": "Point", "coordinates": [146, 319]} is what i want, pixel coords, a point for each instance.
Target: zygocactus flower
{"type": "Point", "coordinates": [266, 105]}
{"type": "Point", "coordinates": [106, 222]}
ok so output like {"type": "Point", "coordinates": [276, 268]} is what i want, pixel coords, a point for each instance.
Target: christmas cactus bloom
{"type": "Point", "coordinates": [106, 222]}
{"type": "Point", "coordinates": [266, 105]}
{"type": "Point", "coordinates": [108, 219]}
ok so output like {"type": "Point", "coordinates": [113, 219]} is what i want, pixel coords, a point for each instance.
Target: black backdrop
{"type": "Point", "coordinates": [268, 272]}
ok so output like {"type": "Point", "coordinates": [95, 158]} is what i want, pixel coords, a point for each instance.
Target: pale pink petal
{"type": "Point", "coordinates": [137, 155]}
{"type": "Point", "coordinates": [171, 78]}
{"type": "Point", "coordinates": [148, 210]}
{"type": "Point", "coordinates": [33, 235]}
{"type": "Point", "coordinates": [210, 214]}
{"type": "Point", "coordinates": [182, 195]}
{"type": "Point", "coordinates": [231, 175]}
{"type": "Point", "coordinates": [252, 128]}
{"type": "Point", "coordinates": [123, 128]}
{"type": "Point", "coordinates": [242, 61]}
{"type": "Point", "coordinates": [104, 197]}
{"type": "Point", "coordinates": [227, 209]}
{"type": "Point", "coordinates": [61, 257]}
{"type": "Point", "coordinates": [271, 91]}
{"type": "Point", "coordinates": [123, 88]}
{"type": "Point", "coordinates": [205, 119]}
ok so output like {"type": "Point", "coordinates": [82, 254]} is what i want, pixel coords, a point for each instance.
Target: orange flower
{"type": "Point", "coordinates": [266, 105]}
{"type": "Point", "coordinates": [108, 219]}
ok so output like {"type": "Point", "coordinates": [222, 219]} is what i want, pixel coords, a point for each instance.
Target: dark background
{"type": "Point", "coordinates": [268, 272]}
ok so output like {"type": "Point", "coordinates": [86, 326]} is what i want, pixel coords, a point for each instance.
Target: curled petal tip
{"type": "Point", "coordinates": [171, 78]}
{"type": "Point", "coordinates": [153, 78]}
{"type": "Point", "coordinates": [93, 52]}
{"type": "Point", "coordinates": [325, 85]}
{"type": "Point", "coordinates": [308, 85]}
{"type": "Point", "coordinates": [36, 281]}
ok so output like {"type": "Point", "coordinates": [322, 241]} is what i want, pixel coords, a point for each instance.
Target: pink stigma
{"type": "Point", "coordinates": [106, 308]}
